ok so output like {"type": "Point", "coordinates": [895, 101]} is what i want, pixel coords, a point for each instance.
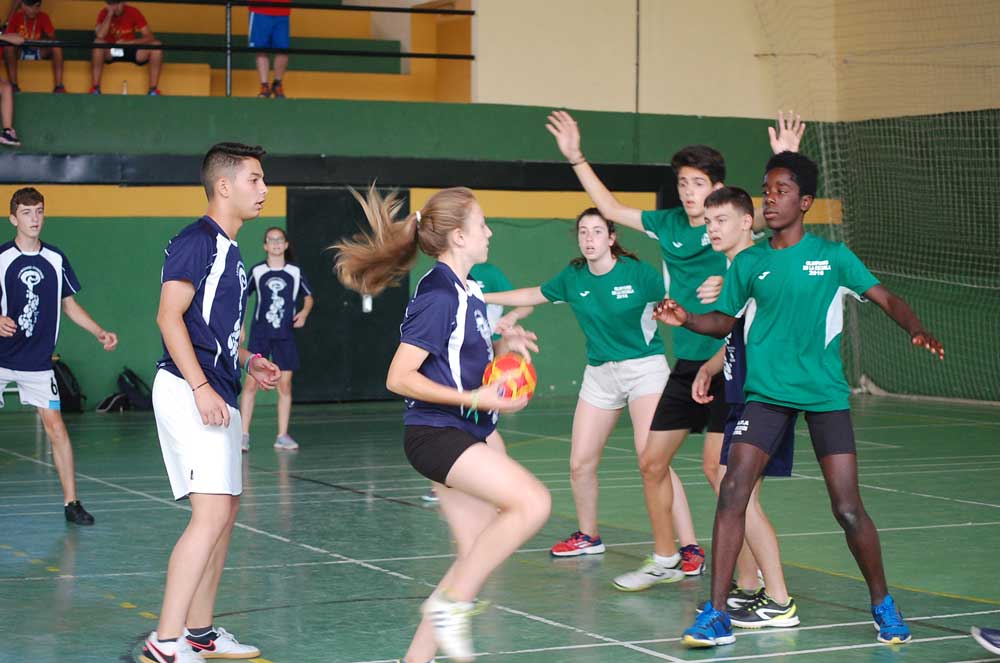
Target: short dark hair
{"type": "Point", "coordinates": [28, 196]}
{"type": "Point", "coordinates": [731, 195]}
{"type": "Point", "coordinates": [225, 156]}
{"type": "Point", "coordinates": [804, 170]}
{"type": "Point", "coordinates": [701, 157]}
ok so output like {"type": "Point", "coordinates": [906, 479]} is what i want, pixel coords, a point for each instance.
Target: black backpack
{"type": "Point", "coordinates": [138, 393]}
{"type": "Point", "coordinates": [70, 397]}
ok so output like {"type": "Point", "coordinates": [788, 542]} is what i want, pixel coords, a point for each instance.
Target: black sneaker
{"type": "Point", "coordinates": [76, 514]}
{"type": "Point", "coordinates": [9, 137]}
{"type": "Point", "coordinates": [737, 598]}
{"type": "Point", "coordinates": [765, 612]}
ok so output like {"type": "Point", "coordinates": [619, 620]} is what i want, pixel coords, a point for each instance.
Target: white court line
{"type": "Point", "coordinates": [415, 558]}
{"type": "Point", "coordinates": [907, 492]}
{"type": "Point", "coordinates": [362, 564]}
{"type": "Point", "coordinates": [878, 445]}
{"type": "Point", "coordinates": [740, 634]}
{"type": "Point", "coordinates": [822, 650]}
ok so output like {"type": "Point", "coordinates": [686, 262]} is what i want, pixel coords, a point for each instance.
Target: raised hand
{"type": "Point", "coordinates": [930, 343]}
{"type": "Point", "coordinates": [669, 312]}
{"type": "Point", "coordinates": [789, 132]}
{"type": "Point", "coordinates": [561, 125]}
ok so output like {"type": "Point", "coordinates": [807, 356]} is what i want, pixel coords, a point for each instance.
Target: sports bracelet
{"type": "Point", "coordinates": [473, 411]}
{"type": "Point", "coordinates": [577, 163]}
{"type": "Point", "coordinates": [246, 366]}
{"type": "Point", "coordinates": [194, 389]}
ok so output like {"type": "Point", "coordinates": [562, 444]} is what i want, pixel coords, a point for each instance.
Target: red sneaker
{"type": "Point", "coordinates": [692, 560]}
{"type": "Point", "coordinates": [578, 543]}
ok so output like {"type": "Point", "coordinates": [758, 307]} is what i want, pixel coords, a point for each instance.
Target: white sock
{"type": "Point", "coordinates": [667, 562]}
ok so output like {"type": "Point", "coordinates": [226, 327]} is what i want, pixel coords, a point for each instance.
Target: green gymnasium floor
{"type": "Point", "coordinates": [335, 550]}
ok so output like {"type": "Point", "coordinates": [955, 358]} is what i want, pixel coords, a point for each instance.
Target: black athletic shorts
{"type": "Point", "coordinates": [128, 54]}
{"type": "Point", "coordinates": [678, 411]}
{"type": "Point", "coordinates": [764, 426]}
{"type": "Point", "coordinates": [780, 464]}
{"type": "Point", "coordinates": [432, 451]}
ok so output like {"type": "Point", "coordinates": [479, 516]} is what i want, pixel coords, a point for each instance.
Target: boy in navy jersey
{"type": "Point", "coordinates": [36, 284]}
{"type": "Point", "coordinates": [195, 393]}
{"type": "Point", "coordinates": [278, 284]}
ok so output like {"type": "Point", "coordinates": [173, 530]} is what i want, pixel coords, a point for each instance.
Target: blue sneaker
{"type": "Point", "coordinates": [889, 623]}
{"type": "Point", "coordinates": [989, 638]}
{"type": "Point", "coordinates": [711, 628]}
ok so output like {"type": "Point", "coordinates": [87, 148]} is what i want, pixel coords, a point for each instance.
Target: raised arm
{"type": "Point", "coordinates": [102, 28]}
{"type": "Point", "coordinates": [712, 323]}
{"type": "Point", "coordinates": [79, 315]}
{"type": "Point", "coordinates": [897, 309]}
{"type": "Point", "coordinates": [520, 297]}
{"type": "Point", "coordinates": [563, 127]}
{"type": "Point", "coordinates": [786, 137]}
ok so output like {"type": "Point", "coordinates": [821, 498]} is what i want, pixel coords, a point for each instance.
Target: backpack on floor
{"type": "Point", "coordinates": [70, 397]}
{"type": "Point", "coordinates": [140, 396]}
{"type": "Point", "coordinates": [114, 403]}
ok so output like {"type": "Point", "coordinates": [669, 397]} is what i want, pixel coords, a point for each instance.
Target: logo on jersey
{"type": "Point", "coordinates": [584, 293]}
{"type": "Point", "coordinates": [622, 291]}
{"type": "Point", "coordinates": [705, 240]}
{"type": "Point", "coordinates": [677, 245]}
{"type": "Point", "coordinates": [729, 359]}
{"type": "Point", "coordinates": [741, 427]}
{"type": "Point", "coordinates": [30, 276]}
{"type": "Point", "coordinates": [763, 276]}
{"type": "Point", "coordinates": [234, 337]}
{"type": "Point", "coordinates": [484, 329]}
{"type": "Point", "coordinates": [816, 267]}
{"type": "Point", "coordinates": [276, 311]}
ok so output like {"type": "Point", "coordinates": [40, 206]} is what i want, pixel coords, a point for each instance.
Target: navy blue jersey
{"type": "Point", "coordinates": [448, 319]}
{"type": "Point", "coordinates": [734, 367]}
{"type": "Point", "coordinates": [32, 287]}
{"type": "Point", "coordinates": [203, 255]}
{"type": "Point", "coordinates": [277, 293]}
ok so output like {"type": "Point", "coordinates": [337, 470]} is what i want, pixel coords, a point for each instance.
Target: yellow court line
{"type": "Point", "coordinates": [907, 588]}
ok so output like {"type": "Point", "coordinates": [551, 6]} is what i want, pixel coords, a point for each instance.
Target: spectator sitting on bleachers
{"type": "Point", "coordinates": [126, 28]}
{"type": "Point", "coordinates": [33, 24]}
{"type": "Point", "coordinates": [269, 28]}
{"type": "Point", "coordinates": [7, 134]}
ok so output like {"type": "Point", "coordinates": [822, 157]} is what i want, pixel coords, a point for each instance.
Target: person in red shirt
{"type": "Point", "coordinates": [8, 136]}
{"type": "Point", "coordinates": [269, 28]}
{"type": "Point", "coordinates": [126, 28]}
{"type": "Point", "coordinates": [33, 24]}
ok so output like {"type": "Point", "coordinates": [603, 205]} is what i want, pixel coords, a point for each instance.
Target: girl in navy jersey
{"type": "Point", "coordinates": [492, 504]}
{"type": "Point", "coordinates": [277, 283]}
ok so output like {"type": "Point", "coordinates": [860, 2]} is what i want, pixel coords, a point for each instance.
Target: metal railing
{"type": "Point", "coordinates": [229, 49]}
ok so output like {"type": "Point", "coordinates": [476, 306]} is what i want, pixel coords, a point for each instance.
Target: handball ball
{"type": "Point", "coordinates": [515, 376]}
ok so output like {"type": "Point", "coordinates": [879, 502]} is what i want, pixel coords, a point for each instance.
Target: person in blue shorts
{"type": "Point", "coordinates": [269, 28]}
{"type": "Point", "coordinates": [278, 283]}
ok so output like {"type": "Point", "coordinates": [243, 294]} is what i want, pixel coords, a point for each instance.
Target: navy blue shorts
{"type": "Point", "coordinates": [780, 464]}
{"type": "Point", "coordinates": [268, 31]}
{"type": "Point", "coordinates": [282, 351]}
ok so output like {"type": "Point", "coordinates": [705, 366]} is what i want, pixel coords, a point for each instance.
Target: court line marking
{"type": "Point", "coordinates": [741, 634]}
{"type": "Point", "coordinates": [362, 564]}
{"type": "Point", "coordinates": [413, 558]}
{"type": "Point", "coordinates": [907, 492]}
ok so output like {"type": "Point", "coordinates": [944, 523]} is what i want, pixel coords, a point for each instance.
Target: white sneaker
{"type": "Point", "coordinates": [451, 626]}
{"type": "Point", "coordinates": [245, 445]}
{"type": "Point", "coordinates": [224, 645]}
{"type": "Point", "coordinates": [286, 442]}
{"type": "Point", "coordinates": [649, 574]}
{"type": "Point", "coordinates": [154, 651]}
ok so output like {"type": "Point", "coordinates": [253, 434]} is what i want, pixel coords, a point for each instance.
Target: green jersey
{"type": "Point", "coordinates": [490, 279]}
{"type": "Point", "coordinates": [614, 309]}
{"type": "Point", "coordinates": [688, 259]}
{"type": "Point", "coordinates": [794, 300]}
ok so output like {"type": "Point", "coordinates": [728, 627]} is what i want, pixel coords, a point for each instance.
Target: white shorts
{"type": "Point", "coordinates": [614, 384]}
{"type": "Point", "coordinates": [198, 458]}
{"type": "Point", "coordinates": [36, 388]}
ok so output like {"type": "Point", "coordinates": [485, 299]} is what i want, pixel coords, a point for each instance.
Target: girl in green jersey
{"type": "Point", "coordinates": [612, 294]}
